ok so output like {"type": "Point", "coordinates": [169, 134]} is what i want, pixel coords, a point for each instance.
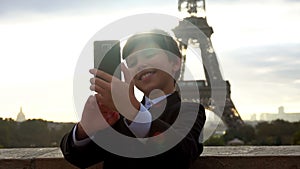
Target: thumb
{"type": "Point", "coordinates": [126, 73]}
{"type": "Point", "coordinates": [128, 78]}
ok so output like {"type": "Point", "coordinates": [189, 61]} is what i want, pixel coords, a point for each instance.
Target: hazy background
{"type": "Point", "coordinates": [257, 43]}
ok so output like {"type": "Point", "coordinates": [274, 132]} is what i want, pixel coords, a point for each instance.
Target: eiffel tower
{"type": "Point", "coordinates": [187, 36]}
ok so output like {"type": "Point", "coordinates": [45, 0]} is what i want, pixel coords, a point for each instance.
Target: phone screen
{"type": "Point", "coordinates": [107, 57]}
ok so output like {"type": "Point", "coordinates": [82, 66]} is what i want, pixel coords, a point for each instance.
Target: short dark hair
{"type": "Point", "coordinates": [159, 37]}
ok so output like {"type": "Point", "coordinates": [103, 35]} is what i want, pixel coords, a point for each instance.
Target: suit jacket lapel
{"type": "Point", "coordinates": [167, 110]}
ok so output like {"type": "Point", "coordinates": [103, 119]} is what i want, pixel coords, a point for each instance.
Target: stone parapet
{"type": "Point", "coordinates": [240, 157]}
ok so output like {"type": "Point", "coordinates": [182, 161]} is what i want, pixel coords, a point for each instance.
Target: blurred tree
{"type": "Point", "coordinates": [34, 133]}
{"type": "Point", "coordinates": [215, 141]}
{"type": "Point", "coordinates": [296, 138]}
{"type": "Point", "coordinates": [31, 133]}
{"type": "Point", "coordinates": [245, 133]}
{"type": "Point", "coordinates": [277, 132]}
{"type": "Point", "coordinates": [41, 133]}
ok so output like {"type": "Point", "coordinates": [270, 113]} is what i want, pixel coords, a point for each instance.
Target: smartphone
{"type": "Point", "coordinates": [107, 57]}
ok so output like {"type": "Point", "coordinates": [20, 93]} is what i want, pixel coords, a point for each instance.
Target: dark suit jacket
{"type": "Point", "coordinates": [180, 156]}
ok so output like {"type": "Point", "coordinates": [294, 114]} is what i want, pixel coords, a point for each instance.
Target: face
{"type": "Point", "coordinates": [152, 69]}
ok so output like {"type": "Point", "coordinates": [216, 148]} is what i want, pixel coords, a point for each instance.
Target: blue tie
{"type": "Point", "coordinates": [148, 104]}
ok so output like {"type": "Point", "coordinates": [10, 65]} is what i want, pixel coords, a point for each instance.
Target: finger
{"type": "Point", "coordinates": [126, 73]}
{"type": "Point", "coordinates": [99, 82]}
{"type": "Point", "coordinates": [98, 89]}
{"type": "Point", "coordinates": [92, 80]}
{"type": "Point", "coordinates": [107, 77]}
{"type": "Point", "coordinates": [98, 98]}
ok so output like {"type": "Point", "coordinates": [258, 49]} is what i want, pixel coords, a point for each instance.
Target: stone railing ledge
{"type": "Point", "coordinates": [223, 157]}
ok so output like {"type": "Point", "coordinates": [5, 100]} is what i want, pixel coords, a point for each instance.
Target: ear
{"type": "Point", "coordinates": [176, 65]}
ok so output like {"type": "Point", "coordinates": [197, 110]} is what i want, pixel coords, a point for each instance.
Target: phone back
{"type": "Point", "coordinates": [107, 57]}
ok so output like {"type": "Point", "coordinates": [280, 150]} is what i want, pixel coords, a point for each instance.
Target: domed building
{"type": "Point", "coordinates": [21, 116]}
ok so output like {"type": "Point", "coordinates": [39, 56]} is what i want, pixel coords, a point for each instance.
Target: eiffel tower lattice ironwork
{"type": "Point", "coordinates": [187, 36]}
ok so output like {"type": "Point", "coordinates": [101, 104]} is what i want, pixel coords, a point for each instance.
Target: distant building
{"type": "Point", "coordinates": [253, 117]}
{"type": "Point", "coordinates": [235, 142]}
{"type": "Point", "coordinates": [252, 123]}
{"type": "Point", "coordinates": [291, 117]}
{"type": "Point", "coordinates": [21, 116]}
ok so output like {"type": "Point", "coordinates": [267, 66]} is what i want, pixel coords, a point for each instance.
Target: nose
{"type": "Point", "coordinates": [141, 67]}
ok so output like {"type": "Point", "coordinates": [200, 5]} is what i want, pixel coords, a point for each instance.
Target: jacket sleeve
{"type": "Point", "coordinates": [81, 156]}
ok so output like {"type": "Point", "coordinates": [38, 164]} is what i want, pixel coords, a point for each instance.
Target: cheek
{"type": "Point", "coordinates": [160, 65]}
{"type": "Point", "coordinates": [165, 75]}
{"type": "Point", "coordinates": [132, 73]}
{"type": "Point", "coordinates": [163, 64]}
{"type": "Point", "coordinates": [166, 70]}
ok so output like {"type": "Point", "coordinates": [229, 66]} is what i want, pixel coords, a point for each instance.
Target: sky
{"type": "Point", "coordinates": [257, 44]}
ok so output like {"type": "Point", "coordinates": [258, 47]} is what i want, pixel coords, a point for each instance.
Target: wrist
{"type": "Point", "coordinates": [80, 133]}
{"type": "Point", "coordinates": [136, 104]}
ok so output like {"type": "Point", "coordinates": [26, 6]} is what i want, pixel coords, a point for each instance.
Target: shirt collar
{"type": "Point", "coordinates": [150, 102]}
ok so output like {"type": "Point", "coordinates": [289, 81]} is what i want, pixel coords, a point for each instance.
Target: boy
{"type": "Point", "coordinates": [153, 64]}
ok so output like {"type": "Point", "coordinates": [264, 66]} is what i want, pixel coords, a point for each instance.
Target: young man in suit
{"type": "Point", "coordinates": [153, 64]}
